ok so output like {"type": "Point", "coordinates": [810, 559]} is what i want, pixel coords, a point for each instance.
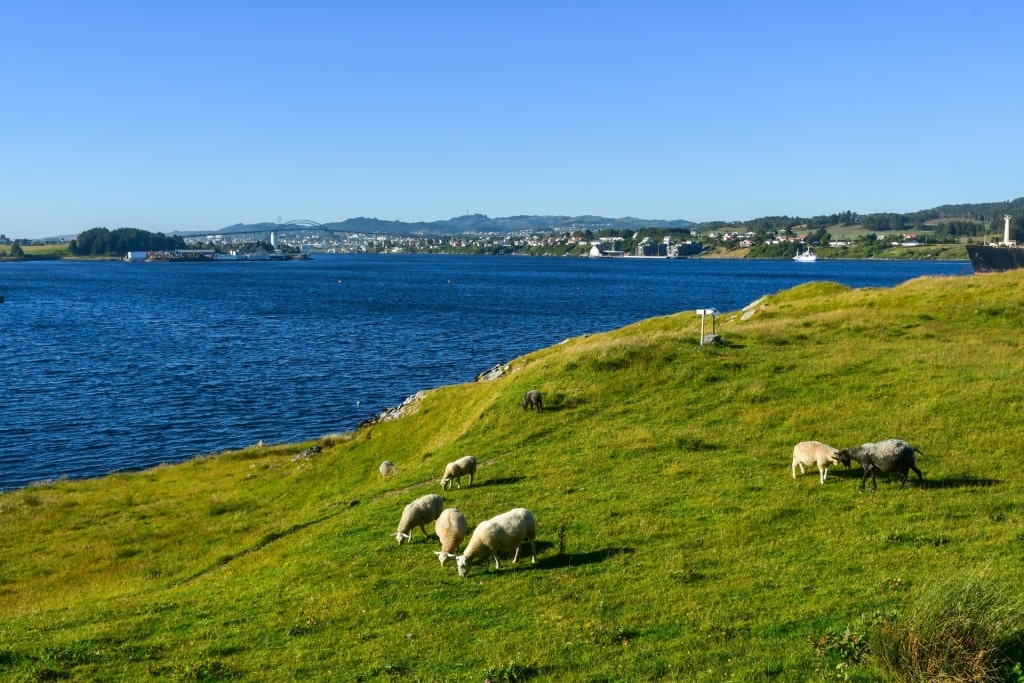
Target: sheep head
{"type": "Point", "coordinates": [463, 564]}
{"type": "Point", "coordinates": [443, 556]}
{"type": "Point", "coordinates": [402, 537]}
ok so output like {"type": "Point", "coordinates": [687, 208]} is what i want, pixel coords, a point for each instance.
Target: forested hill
{"type": "Point", "coordinates": [987, 212]}
{"type": "Point", "coordinates": [982, 212]}
{"type": "Point", "coordinates": [479, 223]}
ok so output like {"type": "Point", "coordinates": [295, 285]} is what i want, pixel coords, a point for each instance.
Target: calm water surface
{"type": "Point", "coordinates": [108, 366]}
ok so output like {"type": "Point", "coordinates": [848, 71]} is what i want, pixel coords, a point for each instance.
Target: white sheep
{"type": "Point", "coordinates": [504, 533]}
{"type": "Point", "coordinates": [456, 470]}
{"type": "Point", "coordinates": [814, 453]}
{"type": "Point", "coordinates": [451, 528]}
{"type": "Point", "coordinates": [419, 513]}
{"type": "Point", "coordinates": [387, 467]}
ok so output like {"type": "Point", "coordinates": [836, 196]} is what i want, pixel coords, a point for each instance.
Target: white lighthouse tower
{"type": "Point", "coordinates": [1007, 242]}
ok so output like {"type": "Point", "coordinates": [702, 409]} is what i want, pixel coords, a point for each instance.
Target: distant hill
{"type": "Point", "coordinates": [479, 223]}
{"type": "Point", "coordinates": [983, 212]}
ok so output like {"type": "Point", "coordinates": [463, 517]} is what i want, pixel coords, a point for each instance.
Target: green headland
{"type": "Point", "coordinates": [674, 544]}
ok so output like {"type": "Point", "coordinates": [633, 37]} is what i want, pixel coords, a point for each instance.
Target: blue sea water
{"type": "Point", "coordinates": [108, 366]}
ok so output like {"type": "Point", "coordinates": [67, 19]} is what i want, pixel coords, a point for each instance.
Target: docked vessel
{"type": "Point", "coordinates": [998, 256]}
{"type": "Point", "coordinates": [209, 255]}
{"type": "Point", "coordinates": [180, 256]}
{"type": "Point", "coordinates": [806, 256]}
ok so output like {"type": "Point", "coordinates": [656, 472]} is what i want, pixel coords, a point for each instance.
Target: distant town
{"type": "Point", "coordinates": [649, 242]}
{"type": "Point", "coordinates": [941, 232]}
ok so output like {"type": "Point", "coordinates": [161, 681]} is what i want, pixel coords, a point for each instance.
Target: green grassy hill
{"type": "Point", "coordinates": [673, 542]}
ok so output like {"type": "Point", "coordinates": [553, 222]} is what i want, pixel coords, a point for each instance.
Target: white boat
{"type": "Point", "coordinates": [806, 256]}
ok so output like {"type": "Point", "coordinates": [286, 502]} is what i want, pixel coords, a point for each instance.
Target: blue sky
{"type": "Point", "coordinates": [198, 115]}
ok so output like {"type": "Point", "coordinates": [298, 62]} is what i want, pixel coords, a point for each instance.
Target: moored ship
{"type": "Point", "coordinates": [210, 255]}
{"type": "Point", "coordinates": [998, 256]}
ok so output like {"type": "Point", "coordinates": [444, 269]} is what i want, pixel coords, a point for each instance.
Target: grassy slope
{"type": "Point", "coordinates": [674, 543]}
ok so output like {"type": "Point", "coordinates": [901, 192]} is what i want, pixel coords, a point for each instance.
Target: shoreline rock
{"type": "Point", "coordinates": [407, 407]}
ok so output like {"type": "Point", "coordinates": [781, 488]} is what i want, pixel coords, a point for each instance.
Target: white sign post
{"type": "Point", "coordinates": [702, 312]}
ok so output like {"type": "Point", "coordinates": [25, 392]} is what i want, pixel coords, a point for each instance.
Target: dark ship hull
{"type": "Point", "coordinates": [987, 259]}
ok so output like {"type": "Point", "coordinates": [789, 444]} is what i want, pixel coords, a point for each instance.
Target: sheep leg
{"type": "Point", "coordinates": [496, 564]}
{"type": "Point", "coordinates": [533, 551]}
{"type": "Point", "coordinates": [919, 475]}
{"type": "Point", "coordinates": [470, 481]}
{"type": "Point", "coordinates": [515, 558]}
{"type": "Point", "coordinates": [823, 473]}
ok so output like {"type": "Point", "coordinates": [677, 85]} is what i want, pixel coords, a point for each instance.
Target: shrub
{"type": "Point", "coordinates": [510, 673]}
{"type": "Point", "coordinates": [964, 628]}
{"type": "Point", "coordinates": [840, 652]}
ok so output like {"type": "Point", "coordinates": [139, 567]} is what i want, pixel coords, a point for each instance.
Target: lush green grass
{"type": "Point", "coordinates": [935, 252]}
{"type": "Point", "coordinates": [673, 542]}
{"type": "Point", "coordinates": [46, 250]}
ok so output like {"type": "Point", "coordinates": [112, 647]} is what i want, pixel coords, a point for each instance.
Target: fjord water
{"type": "Point", "coordinates": [108, 366]}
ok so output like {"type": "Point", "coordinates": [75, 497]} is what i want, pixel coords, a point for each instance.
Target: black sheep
{"type": "Point", "coordinates": [532, 399]}
{"type": "Point", "coordinates": [891, 455]}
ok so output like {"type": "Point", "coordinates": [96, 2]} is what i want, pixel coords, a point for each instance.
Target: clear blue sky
{"type": "Point", "coordinates": [197, 115]}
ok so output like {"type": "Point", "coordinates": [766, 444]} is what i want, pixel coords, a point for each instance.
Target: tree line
{"type": "Point", "coordinates": [103, 242]}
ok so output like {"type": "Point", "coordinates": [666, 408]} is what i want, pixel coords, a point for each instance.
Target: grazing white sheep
{"type": "Point", "coordinates": [455, 470]}
{"type": "Point", "coordinates": [419, 513]}
{"type": "Point", "coordinates": [451, 528]}
{"type": "Point", "coordinates": [387, 467]}
{"type": "Point", "coordinates": [504, 533]}
{"type": "Point", "coordinates": [814, 453]}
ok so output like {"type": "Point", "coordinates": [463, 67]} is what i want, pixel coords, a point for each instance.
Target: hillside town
{"type": "Point", "coordinates": [676, 244]}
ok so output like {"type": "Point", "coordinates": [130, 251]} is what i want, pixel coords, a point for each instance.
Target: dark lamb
{"type": "Point", "coordinates": [891, 455]}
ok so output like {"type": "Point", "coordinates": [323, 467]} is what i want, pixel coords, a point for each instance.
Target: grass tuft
{"type": "Point", "coordinates": [964, 628]}
{"type": "Point", "coordinates": [510, 672]}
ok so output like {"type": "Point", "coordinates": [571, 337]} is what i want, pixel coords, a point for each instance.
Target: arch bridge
{"type": "Point", "coordinates": [302, 223]}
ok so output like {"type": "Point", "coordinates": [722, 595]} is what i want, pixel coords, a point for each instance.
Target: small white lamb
{"type": "Point", "coordinates": [504, 533]}
{"type": "Point", "coordinates": [451, 528]}
{"type": "Point", "coordinates": [387, 467]}
{"type": "Point", "coordinates": [814, 453]}
{"type": "Point", "coordinates": [419, 513]}
{"type": "Point", "coordinates": [455, 470]}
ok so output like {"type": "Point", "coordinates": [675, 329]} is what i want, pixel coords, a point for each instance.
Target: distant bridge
{"type": "Point", "coordinates": [303, 223]}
